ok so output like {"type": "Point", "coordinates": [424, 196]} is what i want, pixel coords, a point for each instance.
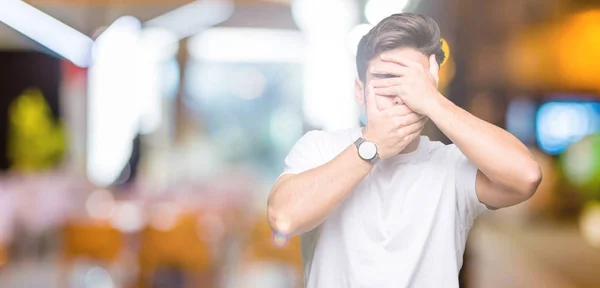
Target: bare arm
{"type": "Point", "coordinates": [507, 174]}
{"type": "Point", "coordinates": [300, 202]}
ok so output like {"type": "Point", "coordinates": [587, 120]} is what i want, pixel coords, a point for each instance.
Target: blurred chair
{"type": "Point", "coordinates": [260, 250]}
{"type": "Point", "coordinates": [179, 246]}
{"type": "Point", "coordinates": [3, 255]}
{"type": "Point", "coordinates": [93, 240]}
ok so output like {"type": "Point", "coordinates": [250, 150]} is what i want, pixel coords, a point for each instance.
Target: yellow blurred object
{"type": "Point", "coordinates": [262, 247]}
{"type": "Point", "coordinates": [447, 68]}
{"type": "Point", "coordinates": [180, 245]}
{"type": "Point", "coordinates": [96, 240]}
{"type": "Point", "coordinates": [577, 44]}
{"type": "Point", "coordinates": [528, 59]}
{"type": "Point", "coordinates": [35, 142]}
{"type": "Point", "coordinates": [3, 256]}
{"type": "Point", "coordinates": [93, 240]}
{"type": "Point", "coordinates": [589, 223]}
{"type": "Point", "coordinates": [446, 49]}
{"type": "Point", "coordinates": [558, 56]}
{"type": "Point", "coordinates": [581, 166]}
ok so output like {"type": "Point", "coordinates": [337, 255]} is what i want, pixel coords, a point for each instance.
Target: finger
{"type": "Point", "coordinates": [412, 136]}
{"type": "Point", "coordinates": [398, 110]}
{"type": "Point", "coordinates": [387, 82]}
{"type": "Point", "coordinates": [408, 119]}
{"type": "Point", "coordinates": [434, 69]}
{"type": "Point", "coordinates": [390, 57]}
{"type": "Point", "coordinates": [412, 128]}
{"type": "Point", "coordinates": [389, 68]}
{"type": "Point", "coordinates": [388, 91]}
{"type": "Point", "coordinates": [370, 101]}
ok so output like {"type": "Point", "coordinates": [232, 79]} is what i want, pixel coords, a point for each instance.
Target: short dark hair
{"type": "Point", "coordinates": [399, 30]}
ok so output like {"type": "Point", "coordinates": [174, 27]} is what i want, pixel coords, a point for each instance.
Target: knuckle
{"type": "Point", "coordinates": [401, 134]}
{"type": "Point", "coordinates": [407, 121]}
{"type": "Point", "coordinates": [399, 121]}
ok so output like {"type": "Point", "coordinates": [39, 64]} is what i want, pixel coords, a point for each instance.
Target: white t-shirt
{"type": "Point", "coordinates": [404, 225]}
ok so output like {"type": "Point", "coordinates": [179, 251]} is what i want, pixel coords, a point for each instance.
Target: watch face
{"type": "Point", "coordinates": [367, 150]}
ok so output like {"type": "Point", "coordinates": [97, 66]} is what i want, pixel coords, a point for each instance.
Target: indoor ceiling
{"type": "Point", "coordinates": [87, 16]}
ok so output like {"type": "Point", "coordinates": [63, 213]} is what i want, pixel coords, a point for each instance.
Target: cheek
{"type": "Point", "coordinates": [384, 102]}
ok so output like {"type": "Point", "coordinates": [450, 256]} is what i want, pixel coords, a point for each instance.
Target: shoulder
{"type": "Point", "coordinates": [329, 143]}
{"type": "Point", "coordinates": [322, 137]}
{"type": "Point", "coordinates": [443, 153]}
{"type": "Point", "coordinates": [314, 142]}
{"type": "Point", "coordinates": [314, 137]}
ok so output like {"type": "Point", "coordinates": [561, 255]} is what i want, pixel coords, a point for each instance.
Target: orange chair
{"type": "Point", "coordinates": [263, 248]}
{"type": "Point", "coordinates": [181, 247]}
{"type": "Point", "coordinates": [94, 240]}
{"type": "Point", "coordinates": [3, 255]}
{"type": "Point", "coordinates": [260, 248]}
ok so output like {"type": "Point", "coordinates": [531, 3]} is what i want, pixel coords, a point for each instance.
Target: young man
{"type": "Point", "coordinates": [383, 206]}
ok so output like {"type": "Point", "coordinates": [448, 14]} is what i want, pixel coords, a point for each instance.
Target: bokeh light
{"type": "Point", "coordinates": [520, 119]}
{"type": "Point", "coordinates": [279, 240]}
{"type": "Point", "coordinates": [590, 224]}
{"type": "Point", "coordinates": [581, 164]}
{"type": "Point", "coordinates": [164, 216]}
{"type": "Point", "coordinates": [100, 204]}
{"type": "Point", "coordinates": [377, 10]}
{"type": "Point", "coordinates": [128, 217]}
{"type": "Point", "coordinates": [356, 34]}
{"type": "Point", "coordinates": [97, 277]}
{"type": "Point", "coordinates": [250, 83]}
{"type": "Point", "coordinates": [561, 123]}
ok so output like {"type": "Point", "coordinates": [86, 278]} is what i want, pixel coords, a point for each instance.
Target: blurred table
{"type": "Point", "coordinates": [543, 255]}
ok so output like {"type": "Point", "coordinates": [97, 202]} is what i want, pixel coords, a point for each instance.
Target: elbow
{"type": "Point", "coordinates": [281, 222]}
{"type": "Point", "coordinates": [281, 218]}
{"type": "Point", "coordinates": [532, 177]}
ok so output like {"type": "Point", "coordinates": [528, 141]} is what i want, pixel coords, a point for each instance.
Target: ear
{"type": "Point", "coordinates": [359, 92]}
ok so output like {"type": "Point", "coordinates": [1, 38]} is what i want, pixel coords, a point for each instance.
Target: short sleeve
{"type": "Point", "coordinates": [468, 203]}
{"type": "Point", "coordinates": [306, 154]}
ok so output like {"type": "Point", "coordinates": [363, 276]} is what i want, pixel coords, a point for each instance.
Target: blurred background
{"type": "Point", "coordinates": [139, 139]}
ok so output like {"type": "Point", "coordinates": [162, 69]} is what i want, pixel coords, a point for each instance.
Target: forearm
{"type": "Point", "coordinates": [498, 154]}
{"type": "Point", "coordinates": [303, 201]}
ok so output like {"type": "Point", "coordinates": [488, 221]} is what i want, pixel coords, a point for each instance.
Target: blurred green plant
{"type": "Point", "coordinates": [35, 140]}
{"type": "Point", "coordinates": [581, 166]}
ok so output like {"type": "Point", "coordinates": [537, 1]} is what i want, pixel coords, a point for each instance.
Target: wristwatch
{"type": "Point", "coordinates": [366, 150]}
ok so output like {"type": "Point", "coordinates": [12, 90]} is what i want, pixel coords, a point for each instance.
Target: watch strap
{"type": "Point", "coordinates": [359, 141]}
